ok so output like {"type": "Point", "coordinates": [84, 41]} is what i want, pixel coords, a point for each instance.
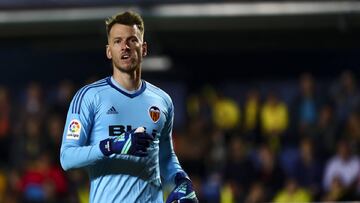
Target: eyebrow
{"type": "Point", "coordinates": [131, 36]}
{"type": "Point", "coordinates": [117, 38]}
{"type": "Point", "coordinates": [128, 38]}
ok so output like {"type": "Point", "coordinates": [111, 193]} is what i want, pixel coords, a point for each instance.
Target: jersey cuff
{"type": "Point", "coordinates": [98, 153]}
{"type": "Point", "coordinates": [171, 177]}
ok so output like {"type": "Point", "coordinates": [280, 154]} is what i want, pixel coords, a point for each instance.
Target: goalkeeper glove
{"type": "Point", "coordinates": [134, 142]}
{"type": "Point", "coordinates": [183, 191]}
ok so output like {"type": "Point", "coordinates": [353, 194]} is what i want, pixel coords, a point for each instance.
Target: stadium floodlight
{"type": "Point", "coordinates": [156, 63]}
{"type": "Point", "coordinates": [185, 10]}
{"type": "Point", "coordinates": [256, 8]}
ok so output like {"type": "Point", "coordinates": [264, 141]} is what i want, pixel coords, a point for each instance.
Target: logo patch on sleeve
{"type": "Point", "coordinates": [74, 130]}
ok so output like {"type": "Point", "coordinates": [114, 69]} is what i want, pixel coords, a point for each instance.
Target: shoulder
{"type": "Point", "coordinates": [91, 89]}
{"type": "Point", "coordinates": [87, 93]}
{"type": "Point", "coordinates": [159, 92]}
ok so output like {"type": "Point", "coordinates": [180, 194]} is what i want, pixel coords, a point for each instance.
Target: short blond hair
{"type": "Point", "coordinates": [127, 18]}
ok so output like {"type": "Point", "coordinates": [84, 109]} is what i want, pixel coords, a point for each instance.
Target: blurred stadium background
{"type": "Point", "coordinates": [266, 94]}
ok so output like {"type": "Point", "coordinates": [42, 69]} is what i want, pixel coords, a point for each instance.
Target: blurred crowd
{"type": "Point", "coordinates": [260, 148]}
{"type": "Point", "coordinates": [265, 148]}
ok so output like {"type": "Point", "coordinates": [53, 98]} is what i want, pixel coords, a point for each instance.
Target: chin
{"type": "Point", "coordinates": [126, 69]}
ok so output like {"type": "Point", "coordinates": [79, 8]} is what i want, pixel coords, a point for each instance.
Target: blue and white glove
{"type": "Point", "coordinates": [134, 142]}
{"type": "Point", "coordinates": [183, 191]}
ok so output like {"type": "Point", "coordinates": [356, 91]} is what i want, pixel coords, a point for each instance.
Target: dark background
{"type": "Point", "coordinates": [235, 48]}
{"type": "Point", "coordinates": [49, 49]}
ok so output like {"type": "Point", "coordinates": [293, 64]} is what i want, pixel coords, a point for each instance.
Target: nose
{"type": "Point", "coordinates": [124, 45]}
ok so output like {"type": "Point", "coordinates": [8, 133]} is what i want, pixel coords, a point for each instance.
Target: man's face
{"type": "Point", "coordinates": [125, 47]}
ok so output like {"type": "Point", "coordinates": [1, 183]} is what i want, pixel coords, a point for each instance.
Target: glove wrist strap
{"type": "Point", "coordinates": [105, 147]}
{"type": "Point", "coordinates": [180, 177]}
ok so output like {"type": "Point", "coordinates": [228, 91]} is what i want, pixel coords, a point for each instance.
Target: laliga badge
{"type": "Point", "coordinates": [154, 113]}
{"type": "Point", "coordinates": [74, 130]}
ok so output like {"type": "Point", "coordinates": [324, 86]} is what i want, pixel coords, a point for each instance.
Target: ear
{"type": "Point", "coordinates": [144, 49]}
{"type": "Point", "coordinates": [108, 52]}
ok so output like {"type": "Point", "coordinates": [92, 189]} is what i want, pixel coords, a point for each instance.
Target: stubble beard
{"type": "Point", "coordinates": [133, 67]}
{"type": "Point", "coordinates": [129, 69]}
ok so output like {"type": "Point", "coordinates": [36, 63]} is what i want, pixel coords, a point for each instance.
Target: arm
{"type": "Point", "coordinates": [169, 164]}
{"type": "Point", "coordinates": [75, 151]}
{"type": "Point", "coordinates": [170, 168]}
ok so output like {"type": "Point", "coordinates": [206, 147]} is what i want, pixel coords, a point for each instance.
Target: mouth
{"type": "Point", "coordinates": [125, 56]}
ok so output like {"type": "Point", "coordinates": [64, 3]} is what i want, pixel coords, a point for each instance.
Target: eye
{"type": "Point", "coordinates": [116, 41]}
{"type": "Point", "coordinates": [134, 40]}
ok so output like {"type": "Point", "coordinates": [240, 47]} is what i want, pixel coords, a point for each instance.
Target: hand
{"type": "Point", "coordinates": [134, 142]}
{"type": "Point", "coordinates": [183, 191]}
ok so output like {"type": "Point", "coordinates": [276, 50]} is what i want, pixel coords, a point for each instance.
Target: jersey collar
{"type": "Point", "coordinates": [131, 95]}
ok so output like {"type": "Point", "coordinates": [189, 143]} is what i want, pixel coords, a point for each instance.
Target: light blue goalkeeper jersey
{"type": "Point", "coordinates": [104, 109]}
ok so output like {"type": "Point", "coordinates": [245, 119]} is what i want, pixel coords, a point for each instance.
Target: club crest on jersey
{"type": "Point", "coordinates": [74, 129]}
{"type": "Point", "coordinates": [154, 113]}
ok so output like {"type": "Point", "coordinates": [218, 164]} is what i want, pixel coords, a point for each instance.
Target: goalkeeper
{"type": "Point", "coordinates": [119, 128]}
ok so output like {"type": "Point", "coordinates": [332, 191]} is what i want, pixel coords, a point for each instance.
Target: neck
{"type": "Point", "coordinates": [129, 81]}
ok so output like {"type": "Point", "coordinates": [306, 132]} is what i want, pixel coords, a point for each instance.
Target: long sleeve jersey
{"type": "Point", "coordinates": [104, 109]}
